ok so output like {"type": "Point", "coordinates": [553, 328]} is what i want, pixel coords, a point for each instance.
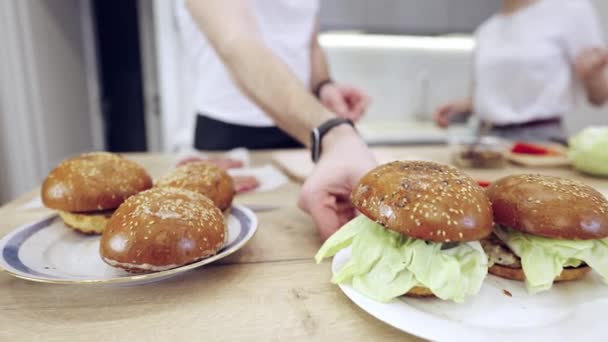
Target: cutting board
{"type": "Point", "coordinates": [542, 160]}
{"type": "Point", "coordinates": [297, 164]}
{"type": "Point", "coordinates": [539, 161]}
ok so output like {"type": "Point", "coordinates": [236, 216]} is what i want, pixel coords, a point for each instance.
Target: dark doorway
{"type": "Point", "coordinates": [120, 74]}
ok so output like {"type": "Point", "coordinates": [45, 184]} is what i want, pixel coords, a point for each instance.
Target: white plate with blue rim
{"type": "Point", "coordinates": [46, 251]}
{"type": "Point", "coordinates": [501, 311]}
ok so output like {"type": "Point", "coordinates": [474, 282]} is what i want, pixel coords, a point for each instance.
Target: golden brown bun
{"type": "Point", "coordinates": [518, 273]}
{"type": "Point", "coordinates": [419, 291]}
{"type": "Point", "coordinates": [425, 200]}
{"type": "Point", "coordinates": [162, 228]}
{"type": "Point", "coordinates": [91, 223]}
{"type": "Point", "coordinates": [550, 206]}
{"type": "Point", "coordinates": [93, 182]}
{"type": "Point", "coordinates": [206, 179]}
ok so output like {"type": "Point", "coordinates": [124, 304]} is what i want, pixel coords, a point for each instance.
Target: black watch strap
{"type": "Point", "coordinates": [318, 133]}
{"type": "Point", "coordinates": [317, 89]}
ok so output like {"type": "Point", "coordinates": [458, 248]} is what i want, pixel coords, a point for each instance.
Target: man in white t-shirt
{"type": "Point", "coordinates": [226, 117]}
{"type": "Point", "coordinates": [530, 61]}
{"type": "Point", "coordinates": [258, 61]}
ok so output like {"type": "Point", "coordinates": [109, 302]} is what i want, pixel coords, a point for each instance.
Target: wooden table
{"type": "Point", "coordinates": [269, 290]}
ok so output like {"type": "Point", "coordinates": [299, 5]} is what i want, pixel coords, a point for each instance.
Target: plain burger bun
{"type": "Point", "coordinates": [549, 206]}
{"type": "Point", "coordinates": [425, 200]}
{"type": "Point", "coordinates": [162, 228]}
{"type": "Point", "coordinates": [93, 182]}
{"type": "Point", "coordinates": [206, 179]}
{"type": "Point", "coordinates": [518, 273]}
{"type": "Point", "coordinates": [419, 291]}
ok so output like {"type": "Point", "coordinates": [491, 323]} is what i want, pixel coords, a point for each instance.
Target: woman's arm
{"type": "Point", "coordinates": [585, 47]}
{"type": "Point", "coordinates": [590, 67]}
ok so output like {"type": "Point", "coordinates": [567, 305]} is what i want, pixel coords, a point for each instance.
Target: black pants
{"type": "Point", "coordinates": [215, 135]}
{"type": "Point", "coordinates": [549, 130]}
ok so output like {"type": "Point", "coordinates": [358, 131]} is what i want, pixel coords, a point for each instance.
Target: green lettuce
{"type": "Point", "coordinates": [543, 259]}
{"type": "Point", "coordinates": [385, 264]}
{"type": "Point", "coordinates": [589, 150]}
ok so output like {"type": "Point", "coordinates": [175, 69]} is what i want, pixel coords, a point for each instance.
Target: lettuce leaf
{"type": "Point", "coordinates": [385, 264]}
{"type": "Point", "coordinates": [543, 259]}
{"type": "Point", "coordinates": [589, 150]}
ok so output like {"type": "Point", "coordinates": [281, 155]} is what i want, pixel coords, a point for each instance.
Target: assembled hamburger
{"type": "Point", "coordinates": [87, 188]}
{"type": "Point", "coordinates": [547, 229]}
{"type": "Point", "coordinates": [418, 234]}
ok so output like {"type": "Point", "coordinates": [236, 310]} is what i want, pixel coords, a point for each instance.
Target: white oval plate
{"type": "Point", "coordinates": [46, 251]}
{"type": "Point", "coordinates": [569, 311]}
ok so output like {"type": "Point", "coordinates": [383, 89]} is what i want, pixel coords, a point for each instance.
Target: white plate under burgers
{"type": "Point", "coordinates": [47, 251]}
{"type": "Point", "coordinates": [501, 311]}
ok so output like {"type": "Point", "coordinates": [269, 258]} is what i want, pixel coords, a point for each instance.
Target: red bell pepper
{"type": "Point", "coordinates": [484, 184]}
{"type": "Point", "coordinates": [526, 148]}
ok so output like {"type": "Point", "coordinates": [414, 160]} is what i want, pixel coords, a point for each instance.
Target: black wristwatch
{"type": "Point", "coordinates": [318, 133]}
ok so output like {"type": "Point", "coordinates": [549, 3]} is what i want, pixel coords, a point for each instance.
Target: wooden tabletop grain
{"type": "Point", "coordinates": [271, 290]}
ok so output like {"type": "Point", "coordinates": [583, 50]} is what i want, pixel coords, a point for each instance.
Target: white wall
{"type": "Point", "coordinates": [45, 100]}
{"type": "Point", "coordinates": [406, 16]}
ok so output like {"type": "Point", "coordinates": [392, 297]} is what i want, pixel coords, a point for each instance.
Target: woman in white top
{"type": "Point", "coordinates": [530, 61]}
{"type": "Point", "coordinates": [228, 118]}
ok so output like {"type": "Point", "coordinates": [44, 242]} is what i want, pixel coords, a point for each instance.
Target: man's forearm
{"type": "Point", "coordinates": [232, 30]}
{"type": "Point", "coordinates": [270, 83]}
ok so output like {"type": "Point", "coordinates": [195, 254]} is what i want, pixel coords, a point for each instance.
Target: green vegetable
{"type": "Point", "coordinates": [589, 150]}
{"type": "Point", "coordinates": [385, 264]}
{"type": "Point", "coordinates": [543, 259]}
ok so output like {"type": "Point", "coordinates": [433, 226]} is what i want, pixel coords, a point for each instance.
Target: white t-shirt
{"type": "Point", "coordinates": [523, 67]}
{"type": "Point", "coordinates": [286, 26]}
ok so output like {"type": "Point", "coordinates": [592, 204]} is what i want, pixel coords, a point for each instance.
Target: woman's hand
{"type": "Point", "coordinates": [444, 115]}
{"type": "Point", "coordinates": [591, 62]}
{"type": "Point", "coordinates": [589, 67]}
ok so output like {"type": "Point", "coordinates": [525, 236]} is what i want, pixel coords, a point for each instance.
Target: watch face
{"type": "Point", "coordinates": [315, 143]}
{"type": "Point", "coordinates": [318, 133]}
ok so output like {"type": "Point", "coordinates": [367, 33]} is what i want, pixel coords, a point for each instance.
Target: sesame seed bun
{"type": "Point", "coordinates": [567, 274]}
{"type": "Point", "coordinates": [93, 182]}
{"type": "Point", "coordinates": [86, 223]}
{"type": "Point", "coordinates": [162, 228]}
{"type": "Point", "coordinates": [206, 179]}
{"type": "Point", "coordinates": [549, 206]}
{"type": "Point", "coordinates": [425, 200]}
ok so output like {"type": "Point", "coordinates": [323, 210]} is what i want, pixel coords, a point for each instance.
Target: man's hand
{"type": "Point", "coordinates": [346, 101]}
{"type": "Point", "coordinates": [326, 193]}
{"type": "Point", "coordinates": [445, 113]}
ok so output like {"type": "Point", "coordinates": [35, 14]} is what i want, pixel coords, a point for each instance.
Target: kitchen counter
{"type": "Point", "coordinates": [269, 290]}
{"type": "Point", "coordinates": [407, 132]}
